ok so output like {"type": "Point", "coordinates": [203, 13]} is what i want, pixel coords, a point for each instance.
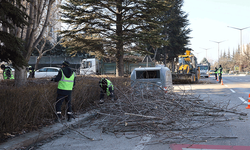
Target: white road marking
{"type": "Point", "coordinates": [226, 85]}
{"type": "Point", "coordinates": [145, 139]}
{"type": "Point", "coordinates": [232, 90]}
{"type": "Point", "coordinates": [242, 99]}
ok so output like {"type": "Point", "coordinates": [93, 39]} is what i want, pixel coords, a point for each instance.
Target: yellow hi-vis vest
{"type": "Point", "coordinates": [109, 84]}
{"type": "Point", "coordinates": [5, 76]}
{"type": "Point", "coordinates": [66, 83]}
{"type": "Point", "coordinates": [219, 70]}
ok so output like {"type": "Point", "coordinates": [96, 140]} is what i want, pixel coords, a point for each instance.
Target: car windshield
{"type": "Point", "coordinates": [203, 67]}
{"type": "Point", "coordinates": [86, 64]}
{"type": "Point", "coordinates": [182, 61]}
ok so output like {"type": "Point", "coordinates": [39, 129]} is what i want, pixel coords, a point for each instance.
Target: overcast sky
{"type": "Point", "coordinates": [209, 21]}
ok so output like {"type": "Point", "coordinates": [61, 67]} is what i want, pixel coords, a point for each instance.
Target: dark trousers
{"type": "Point", "coordinates": [220, 77]}
{"type": "Point", "coordinates": [60, 98]}
{"type": "Point", "coordinates": [103, 92]}
{"type": "Point", "coordinates": [32, 75]}
{"type": "Point", "coordinates": [215, 76]}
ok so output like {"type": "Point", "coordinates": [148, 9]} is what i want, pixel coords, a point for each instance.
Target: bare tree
{"type": "Point", "coordinates": [39, 12]}
{"type": "Point", "coordinates": [41, 51]}
{"type": "Point", "coordinates": [245, 58]}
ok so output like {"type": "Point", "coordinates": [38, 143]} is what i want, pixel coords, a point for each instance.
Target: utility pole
{"type": "Point", "coordinates": [241, 49]}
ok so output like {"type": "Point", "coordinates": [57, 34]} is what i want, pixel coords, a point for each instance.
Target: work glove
{"type": "Point", "coordinates": [53, 79]}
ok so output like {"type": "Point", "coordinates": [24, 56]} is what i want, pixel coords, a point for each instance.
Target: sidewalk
{"type": "Point", "coordinates": [44, 133]}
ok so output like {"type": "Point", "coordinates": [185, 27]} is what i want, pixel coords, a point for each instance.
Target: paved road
{"type": "Point", "coordinates": [234, 94]}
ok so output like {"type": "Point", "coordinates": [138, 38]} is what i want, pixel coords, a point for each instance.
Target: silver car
{"type": "Point", "coordinates": [46, 72]}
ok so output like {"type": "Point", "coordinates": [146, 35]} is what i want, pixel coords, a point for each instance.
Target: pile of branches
{"type": "Point", "coordinates": [155, 112]}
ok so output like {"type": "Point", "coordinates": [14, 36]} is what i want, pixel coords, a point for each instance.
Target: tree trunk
{"type": "Point", "coordinates": [119, 63]}
{"type": "Point", "coordinates": [20, 76]}
{"type": "Point", "coordinates": [119, 45]}
{"type": "Point", "coordinates": [164, 50]}
{"type": "Point", "coordinates": [173, 65]}
{"type": "Point", "coordinates": [37, 62]}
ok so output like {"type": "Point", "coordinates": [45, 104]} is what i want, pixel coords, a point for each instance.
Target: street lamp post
{"type": "Point", "coordinates": [218, 42]}
{"type": "Point", "coordinates": [206, 51]}
{"type": "Point", "coordinates": [240, 41]}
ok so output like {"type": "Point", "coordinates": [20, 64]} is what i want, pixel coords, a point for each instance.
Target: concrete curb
{"type": "Point", "coordinates": [44, 133]}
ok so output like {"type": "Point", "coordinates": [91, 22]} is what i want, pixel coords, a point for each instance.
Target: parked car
{"type": "Point", "coordinates": [13, 72]}
{"type": "Point", "coordinates": [211, 72]}
{"type": "Point", "coordinates": [46, 72]}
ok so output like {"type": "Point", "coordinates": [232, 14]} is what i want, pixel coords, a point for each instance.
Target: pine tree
{"type": "Point", "coordinates": [228, 54]}
{"type": "Point", "coordinates": [113, 27]}
{"type": "Point", "coordinates": [224, 54]}
{"type": "Point", "coordinates": [11, 47]}
{"type": "Point", "coordinates": [176, 31]}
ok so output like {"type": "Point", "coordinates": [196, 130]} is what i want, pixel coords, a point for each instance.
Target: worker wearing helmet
{"type": "Point", "coordinates": [220, 73]}
{"type": "Point", "coordinates": [66, 82]}
{"type": "Point", "coordinates": [7, 73]}
{"type": "Point", "coordinates": [106, 87]}
{"type": "Point", "coordinates": [31, 72]}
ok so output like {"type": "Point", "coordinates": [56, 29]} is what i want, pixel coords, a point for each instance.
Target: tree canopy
{"type": "Point", "coordinates": [175, 31]}
{"type": "Point", "coordinates": [114, 27]}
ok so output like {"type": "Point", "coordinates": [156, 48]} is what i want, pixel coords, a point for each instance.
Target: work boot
{"type": "Point", "coordinates": [69, 117]}
{"type": "Point", "coordinates": [58, 118]}
{"type": "Point", "coordinates": [101, 101]}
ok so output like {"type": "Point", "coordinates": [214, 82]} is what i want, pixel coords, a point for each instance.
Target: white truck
{"type": "Point", "coordinates": [204, 70]}
{"type": "Point", "coordinates": [94, 66]}
{"type": "Point", "coordinates": [89, 66]}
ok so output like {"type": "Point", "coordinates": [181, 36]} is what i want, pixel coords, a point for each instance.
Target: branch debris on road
{"type": "Point", "coordinates": [154, 112]}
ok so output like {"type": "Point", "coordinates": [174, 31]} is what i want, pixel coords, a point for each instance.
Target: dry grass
{"type": "Point", "coordinates": [32, 106]}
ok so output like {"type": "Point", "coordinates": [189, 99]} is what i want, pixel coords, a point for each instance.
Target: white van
{"type": "Point", "coordinates": [204, 70]}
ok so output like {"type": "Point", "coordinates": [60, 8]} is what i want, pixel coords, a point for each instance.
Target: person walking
{"type": "Point", "coordinates": [7, 73]}
{"type": "Point", "coordinates": [106, 87]}
{"type": "Point", "coordinates": [66, 82]}
{"type": "Point", "coordinates": [215, 72]}
{"type": "Point", "coordinates": [220, 73]}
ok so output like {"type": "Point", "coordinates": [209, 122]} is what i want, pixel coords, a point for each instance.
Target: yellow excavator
{"type": "Point", "coordinates": [187, 70]}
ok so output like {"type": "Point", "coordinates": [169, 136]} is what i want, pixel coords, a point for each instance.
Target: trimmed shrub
{"type": "Point", "coordinates": [32, 106]}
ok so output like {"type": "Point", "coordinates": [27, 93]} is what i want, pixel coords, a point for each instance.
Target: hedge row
{"type": "Point", "coordinates": [32, 106]}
